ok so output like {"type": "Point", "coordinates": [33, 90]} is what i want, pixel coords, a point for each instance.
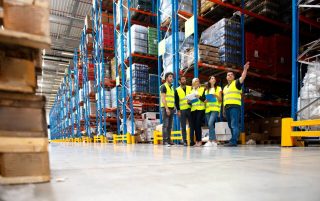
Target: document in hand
{"type": "Point", "coordinates": [211, 98]}
{"type": "Point", "coordinates": [192, 98]}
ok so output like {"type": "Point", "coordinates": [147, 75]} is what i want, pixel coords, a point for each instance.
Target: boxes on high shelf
{"type": "Point", "coordinates": [263, 7]}
{"type": "Point", "coordinates": [226, 35]}
{"type": "Point", "coordinates": [166, 7]}
{"type": "Point", "coordinates": [152, 41]}
{"type": "Point", "coordinates": [206, 54]}
{"type": "Point", "coordinates": [139, 39]}
{"type": "Point", "coordinates": [140, 78]}
{"type": "Point", "coordinates": [27, 16]}
{"type": "Point", "coordinates": [114, 98]}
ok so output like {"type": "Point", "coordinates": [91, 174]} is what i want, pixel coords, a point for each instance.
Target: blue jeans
{"type": "Point", "coordinates": [233, 117]}
{"type": "Point", "coordinates": [211, 119]}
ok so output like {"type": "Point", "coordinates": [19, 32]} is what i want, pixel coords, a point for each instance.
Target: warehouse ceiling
{"type": "Point", "coordinates": [66, 24]}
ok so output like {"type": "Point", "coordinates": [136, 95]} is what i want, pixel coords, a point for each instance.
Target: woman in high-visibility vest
{"type": "Point", "coordinates": [213, 107]}
{"type": "Point", "coordinates": [197, 112]}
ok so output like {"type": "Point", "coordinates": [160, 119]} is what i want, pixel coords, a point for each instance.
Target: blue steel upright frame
{"type": "Point", "coordinates": [121, 35]}
{"type": "Point", "coordinates": [76, 94]}
{"type": "Point", "coordinates": [295, 49]}
{"type": "Point", "coordinates": [98, 60]}
{"type": "Point", "coordinates": [116, 62]}
{"type": "Point", "coordinates": [86, 98]}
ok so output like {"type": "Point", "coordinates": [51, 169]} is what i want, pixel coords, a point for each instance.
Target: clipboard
{"type": "Point", "coordinates": [211, 98]}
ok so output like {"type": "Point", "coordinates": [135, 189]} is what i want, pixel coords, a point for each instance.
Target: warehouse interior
{"type": "Point", "coordinates": [80, 99]}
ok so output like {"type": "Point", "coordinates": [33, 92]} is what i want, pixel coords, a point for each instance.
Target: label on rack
{"type": "Point", "coordinates": [117, 81]}
{"type": "Point", "coordinates": [189, 27]}
{"type": "Point", "coordinates": [162, 47]}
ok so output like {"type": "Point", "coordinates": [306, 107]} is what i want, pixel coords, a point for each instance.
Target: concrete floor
{"type": "Point", "coordinates": [94, 172]}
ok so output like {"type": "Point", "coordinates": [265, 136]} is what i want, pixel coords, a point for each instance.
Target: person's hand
{"type": "Point", "coordinates": [188, 101]}
{"type": "Point", "coordinates": [205, 101]}
{"type": "Point", "coordinates": [168, 112]}
{"type": "Point", "coordinates": [197, 96]}
{"type": "Point", "coordinates": [178, 113]}
{"type": "Point", "coordinates": [247, 65]}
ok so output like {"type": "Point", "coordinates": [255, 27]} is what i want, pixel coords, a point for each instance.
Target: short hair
{"type": "Point", "coordinates": [231, 72]}
{"type": "Point", "coordinates": [182, 77]}
{"type": "Point", "coordinates": [167, 75]}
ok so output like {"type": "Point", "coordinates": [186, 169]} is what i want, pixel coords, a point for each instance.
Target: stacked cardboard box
{"type": "Point", "coordinates": [152, 41]}
{"type": "Point", "coordinates": [140, 78]}
{"type": "Point", "coordinates": [264, 129]}
{"type": "Point", "coordinates": [23, 140]}
{"type": "Point", "coordinates": [226, 35]}
{"type": "Point", "coordinates": [206, 54]}
{"type": "Point", "coordinates": [139, 39]}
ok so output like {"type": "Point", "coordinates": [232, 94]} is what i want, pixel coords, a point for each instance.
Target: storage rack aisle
{"type": "Point", "coordinates": [89, 103]}
{"type": "Point", "coordinates": [103, 40]}
{"type": "Point", "coordinates": [132, 57]}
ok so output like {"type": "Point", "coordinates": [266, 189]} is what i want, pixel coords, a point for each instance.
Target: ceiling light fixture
{"type": "Point", "coordinates": [67, 53]}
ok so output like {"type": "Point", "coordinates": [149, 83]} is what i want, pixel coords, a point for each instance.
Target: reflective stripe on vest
{"type": "Point", "coordinates": [199, 105]}
{"type": "Point", "coordinates": [169, 96]}
{"type": "Point", "coordinates": [213, 106]}
{"type": "Point", "coordinates": [183, 102]}
{"type": "Point", "coordinates": [231, 95]}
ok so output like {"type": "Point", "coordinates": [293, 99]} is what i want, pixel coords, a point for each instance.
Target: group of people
{"type": "Point", "coordinates": [202, 105]}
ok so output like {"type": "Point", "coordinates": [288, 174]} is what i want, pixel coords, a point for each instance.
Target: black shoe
{"type": "Point", "coordinates": [230, 145]}
{"type": "Point", "coordinates": [192, 144]}
{"type": "Point", "coordinates": [185, 144]}
{"type": "Point", "coordinates": [171, 143]}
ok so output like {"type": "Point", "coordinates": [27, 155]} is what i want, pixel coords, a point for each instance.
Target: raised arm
{"type": "Point", "coordinates": [244, 73]}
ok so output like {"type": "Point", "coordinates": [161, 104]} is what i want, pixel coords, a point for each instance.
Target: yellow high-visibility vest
{"type": "Point", "coordinates": [183, 102]}
{"type": "Point", "coordinates": [169, 96]}
{"type": "Point", "coordinates": [231, 95]}
{"type": "Point", "coordinates": [213, 106]}
{"type": "Point", "coordinates": [199, 105]}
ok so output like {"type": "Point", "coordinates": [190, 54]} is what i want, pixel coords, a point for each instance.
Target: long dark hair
{"type": "Point", "coordinates": [209, 84]}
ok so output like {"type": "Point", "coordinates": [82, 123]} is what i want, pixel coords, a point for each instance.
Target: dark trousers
{"type": "Point", "coordinates": [233, 118]}
{"type": "Point", "coordinates": [195, 127]}
{"type": "Point", "coordinates": [166, 125]}
{"type": "Point", "coordinates": [185, 115]}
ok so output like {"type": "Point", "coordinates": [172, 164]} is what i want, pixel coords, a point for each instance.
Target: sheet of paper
{"type": "Point", "coordinates": [191, 96]}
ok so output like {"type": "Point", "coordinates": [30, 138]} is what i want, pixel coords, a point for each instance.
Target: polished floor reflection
{"type": "Point", "coordinates": [146, 172]}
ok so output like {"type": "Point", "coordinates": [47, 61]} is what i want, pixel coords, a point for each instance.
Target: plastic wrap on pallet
{"type": "Point", "coordinates": [184, 45]}
{"type": "Point", "coordinates": [138, 4]}
{"type": "Point", "coordinates": [114, 97]}
{"type": "Point", "coordinates": [139, 39]}
{"type": "Point", "coordinates": [166, 8]}
{"type": "Point", "coordinates": [226, 35]}
{"type": "Point", "coordinates": [140, 78]}
{"type": "Point", "coordinates": [309, 93]}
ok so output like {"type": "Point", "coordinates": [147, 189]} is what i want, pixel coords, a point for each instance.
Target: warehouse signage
{"type": "Point", "coordinates": [189, 27]}
{"type": "Point", "coordinates": [162, 47]}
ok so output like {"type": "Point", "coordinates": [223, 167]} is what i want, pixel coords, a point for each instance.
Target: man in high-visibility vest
{"type": "Point", "coordinates": [167, 108]}
{"type": "Point", "coordinates": [182, 106]}
{"type": "Point", "coordinates": [232, 94]}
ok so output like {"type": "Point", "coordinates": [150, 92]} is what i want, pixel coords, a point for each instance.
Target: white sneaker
{"type": "Point", "coordinates": [214, 144]}
{"type": "Point", "coordinates": [208, 144]}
